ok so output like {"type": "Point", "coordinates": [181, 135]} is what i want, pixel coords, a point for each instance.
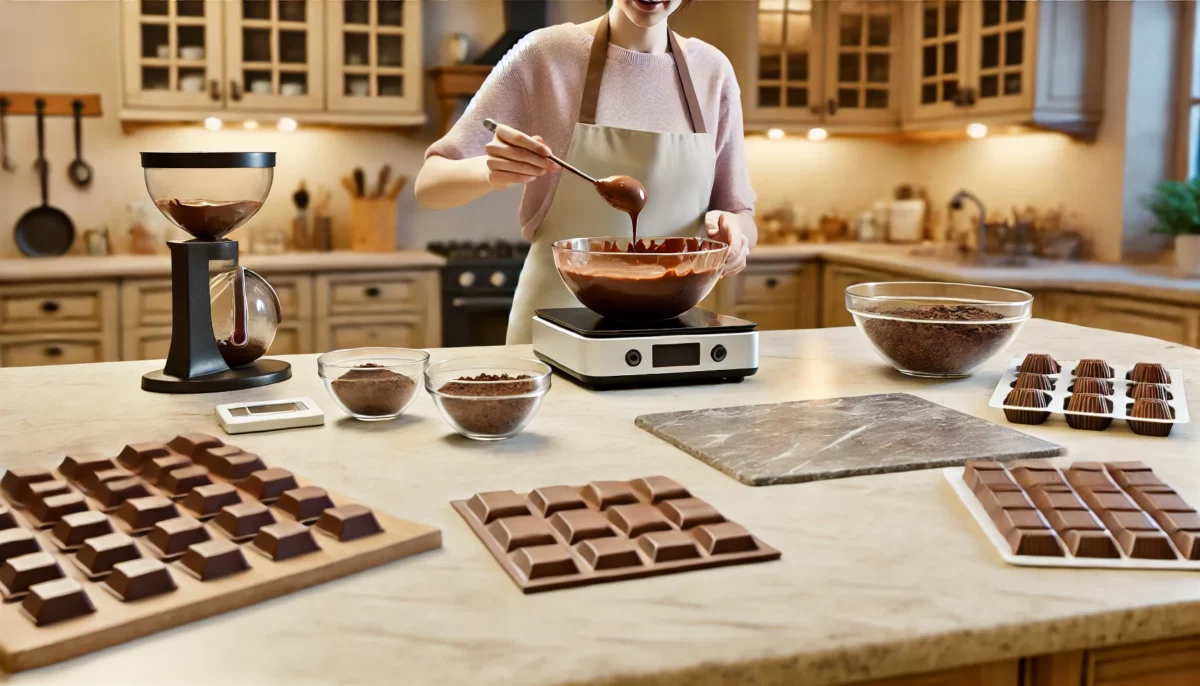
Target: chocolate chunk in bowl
{"type": "Point", "coordinates": [373, 384]}
{"type": "Point", "coordinates": [488, 398]}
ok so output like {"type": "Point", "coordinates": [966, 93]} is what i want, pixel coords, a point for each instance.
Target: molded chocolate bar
{"type": "Point", "coordinates": [236, 467]}
{"type": "Point", "coordinates": [563, 536]}
{"type": "Point", "coordinates": [205, 457]}
{"type": "Point", "coordinates": [189, 444]}
{"type": "Point", "coordinates": [48, 511]}
{"type": "Point", "coordinates": [44, 489]}
{"type": "Point", "coordinates": [285, 540]}
{"type": "Point", "coordinates": [15, 543]}
{"type": "Point", "coordinates": [348, 522]}
{"type": "Point", "coordinates": [110, 494]}
{"type": "Point", "coordinates": [138, 579]}
{"type": "Point", "coordinates": [77, 467]}
{"type": "Point", "coordinates": [268, 484]}
{"type": "Point", "coordinates": [73, 529]}
{"type": "Point", "coordinates": [207, 501]}
{"type": "Point", "coordinates": [134, 455]}
{"type": "Point", "coordinates": [155, 469]}
{"type": "Point", "coordinates": [16, 482]}
{"type": "Point", "coordinates": [19, 573]}
{"type": "Point", "coordinates": [142, 513]}
{"type": "Point", "coordinates": [172, 537]}
{"type": "Point", "coordinates": [242, 521]}
{"type": "Point", "coordinates": [180, 482]}
{"type": "Point", "coordinates": [56, 601]}
{"type": "Point", "coordinates": [214, 559]}
{"type": "Point", "coordinates": [98, 555]}
{"type": "Point", "coordinates": [91, 479]}
{"type": "Point", "coordinates": [304, 504]}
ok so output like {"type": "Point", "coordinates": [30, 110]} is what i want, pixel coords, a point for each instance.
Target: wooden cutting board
{"type": "Point", "coordinates": [810, 440]}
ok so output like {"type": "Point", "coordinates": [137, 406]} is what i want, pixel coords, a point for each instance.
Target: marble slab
{"type": "Point", "coordinates": [810, 440]}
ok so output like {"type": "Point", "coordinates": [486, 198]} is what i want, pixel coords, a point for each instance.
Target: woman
{"type": "Point", "coordinates": [621, 94]}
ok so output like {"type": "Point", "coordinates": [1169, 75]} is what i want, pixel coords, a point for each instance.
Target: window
{"type": "Point", "coordinates": [1187, 125]}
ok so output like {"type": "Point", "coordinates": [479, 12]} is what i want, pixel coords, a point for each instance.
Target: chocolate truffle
{"type": "Point", "coordinates": [1089, 385]}
{"type": "Point", "coordinates": [1138, 391]}
{"type": "Point", "coordinates": [1093, 404]}
{"type": "Point", "coordinates": [56, 601]}
{"type": "Point", "coordinates": [1020, 397]}
{"type": "Point", "coordinates": [1149, 372]}
{"type": "Point", "coordinates": [1036, 382]}
{"type": "Point", "coordinates": [1150, 408]}
{"type": "Point", "coordinates": [1039, 363]}
{"type": "Point", "coordinates": [1093, 368]}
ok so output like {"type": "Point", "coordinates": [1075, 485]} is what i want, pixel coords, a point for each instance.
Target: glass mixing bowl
{"type": "Point", "coordinates": [488, 398]}
{"type": "Point", "coordinates": [208, 194]}
{"type": "Point", "coordinates": [373, 384]}
{"type": "Point", "coordinates": [256, 313]}
{"type": "Point", "coordinates": [938, 330]}
{"type": "Point", "coordinates": [662, 279]}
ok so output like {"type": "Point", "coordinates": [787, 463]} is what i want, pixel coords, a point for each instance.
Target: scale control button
{"type": "Point", "coordinates": [466, 279]}
{"type": "Point", "coordinates": [633, 358]}
{"type": "Point", "coordinates": [498, 279]}
{"type": "Point", "coordinates": [719, 353]}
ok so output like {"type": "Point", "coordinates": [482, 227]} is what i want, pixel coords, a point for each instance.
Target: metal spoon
{"type": "Point", "coordinates": [79, 172]}
{"type": "Point", "coordinates": [5, 162]}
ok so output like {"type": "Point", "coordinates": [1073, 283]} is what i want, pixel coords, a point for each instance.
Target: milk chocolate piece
{"type": "Point", "coordinates": [1099, 482]}
{"type": "Point", "coordinates": [7, 519]}
{"type": "Point", "coordinates": [134, 455]}
{"type": "Point", "coordinates": [659, 488]}
{"type": "Point", "coordinates": [268, 484]}
{"type": "Point", "coordinates": [604, 494]}
{"type": "Point", "coordinates": [285, 540]}
{"type": "Point", "coordinates": [725, 538]}
{"type": "Point", "coordinates": [1132, 466]}
{"type": "Point", "coordinates": [1039, 363]}
{"type": "Point", "coordinates": [579, 525]}
{"type": "Point", "coordinates": [544, 561]}
{"type": "Point", "coordinates": [19, 573]}
{"type": "Point", "coordinates": [214, 559]}
{"type": "Point", "coordinates": [110, 494]}
{"type": "Point", "coordinates": [44, 489]}
{"type": "Point", "coordinates": [668, 546]}
{"type": "Point", "coordinates": [609, 553]}
{"type": "Point", "coordinates": [1007, 520]}
{"type": "Point", "coordinates": [15, 543]}
{"type": "Point", "coordinates": [237, 467]}
{"type": "Point", "coordinates": [1036, 382]}
{"type": "Point", "coordinates": [142, 513]}
{"type": "Point", "coordinates": [305, 504]}
{"type": "Point", "coordinates": [1027, 398]}
{"type": "Point", "coordinates": [1188, 543]}
{"type": "Point", "coordinates": [77, 467]}
{"type": "Point", "coordinates": [1050, 480]}
{"type": "Point", "coordinates": [995, 481]}
{"type": "Point", "coordinates": [243, 520]}
{"type": "Point", "coordinates": [156, 469]}
{"type": "Point", "coordinates": [1046, 499]}
{"type": "Point", "coordinates": [99, 554]}
{"type": "Point", "coordinates": [1088, 467]}
{"type": "Point", "coordinates": [91, 480]}
{"type": "Point", "coordinates": [141, 578]}
{"type": "Point", "coordinates": [1094, 405]}
{"type": "Point", "coordinates": [1096, 369]}
{"type": "Point", "coordinates": [207, 501]}
{"type": "Point", "coordinates": [1087, 385]}
{"type": "Point", "coordinates": [48, 511]}
{"type": "Point", "coordinates": [686, 513]}
{"type": "Point", "coordinates": [973, 468]}
{"type": "Point", "coordinates": [1101, 502]}
{"type": "Point", "coordinates": [1037, 542]}
{"type": "Point", "coordinates": [1149, 372]}
{"type": "Point", "coordinates": [173, 536]}
{"type": "Point", "coordinates": [1151, 545]}
{"type": "Point", "coordinates": [1087, 543]}
{"type": "Point", "coordinates": [73, 529]}
{"type": "Point", "coordinates": [993, 501]}
{"type": "Point", "coordinates": [550, 499]}
{"type": "Point", "coordinates": [1063, 521]}
{"type": "Point", "coordinates": [56, 601]}
{"type": "Point", "coordinates": [189, 444]}
{"type": "Point", "coordinates": [180, 482]}
{"type": "Point", "coordinates": [494, 505]}
{"type": "Point", "coordinates": [1147, 409]}
{"type": "Point", "coordinates": [1156, 391]}
{"type": "Point", "coordinates": [206, 457]}
{"type": "Point", "coordinates": [521, 532]}
{"type": "Point", "coordinates": [1177, 521]}
{"type": "Point", "coordinates": [16, 482]}
{"type": "Point", "coordinates": [1164, 502]}
{"type": "Point", "coordinates": [1143, 481]}
{"type": "Point", "coordinates": [349, 522]}
{"type": "Point", "coordinates": [635, 520]}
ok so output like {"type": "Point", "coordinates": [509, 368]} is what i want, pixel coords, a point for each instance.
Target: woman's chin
{"type": "Point", "coordinates": [647, 13]}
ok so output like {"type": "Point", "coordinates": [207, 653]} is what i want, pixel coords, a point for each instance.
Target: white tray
{"type": "Point", "coordinates": [954, 476]}
{"type": "Point", "coordinates": [1058, 397]}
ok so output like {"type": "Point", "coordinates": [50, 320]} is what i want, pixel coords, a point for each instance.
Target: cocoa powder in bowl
{"type": "Point", "coordinates": [970, 336]}
{"type": "Point", "coordinates": [373, 390]}
{"type": "Point", "coordinates": [488, 408]}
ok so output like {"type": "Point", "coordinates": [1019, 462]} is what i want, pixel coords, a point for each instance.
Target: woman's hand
{"type": "Point", "coordinates": [726, 227]}
{"type": "Point", "coordinates": [513, 157]}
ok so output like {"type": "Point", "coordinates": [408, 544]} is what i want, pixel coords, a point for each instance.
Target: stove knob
{"type": "Point", "coordinates": [498, 279]}
{"type": "Point", "coordinates": [466, 279]}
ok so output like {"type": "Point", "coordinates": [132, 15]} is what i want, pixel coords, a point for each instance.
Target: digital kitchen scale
{"type": "Point", "coordinates": [606, 353]}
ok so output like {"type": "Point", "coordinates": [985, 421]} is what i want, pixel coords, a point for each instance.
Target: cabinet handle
{"type": "Point", "coordinates": [235, 90]}
{"type": "Point", "coordinates": [960, 97]}
{"type": "Point", "coordinates": [53, 351]}
{"type": "Point", "coordinates": [214, 90]}
{"type": "Point", "coordinates": [49, 307]}
{"type": "Point", "coordinates": [831, 106]}
{"type": "Point", "coordinates": [772, 282]}
{"type": "Point", "coordinates": [971, 95]}
{"type": "Point", "coordinates": [817, 109]}
{"type": "Point", "coordinates": [372, 292]}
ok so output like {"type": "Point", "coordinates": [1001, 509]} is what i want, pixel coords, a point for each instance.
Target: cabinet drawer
{"type": "Point", "coordinates": [769, 286]}
{"type": "Point", "coordinates": [373, 293]}
{"type": "Point", "coordinates": [394, 332]}
{"type": "Point", "coordinates": [292, 338]}
{"type": "Point", "coordinates": [54, 307]}
{"type": "Point", "coordinates": [148, 303]}
{"type": "Point", "coordinates": [1165, 321]}
{"type": "Point", "coordinates": [28, 353]}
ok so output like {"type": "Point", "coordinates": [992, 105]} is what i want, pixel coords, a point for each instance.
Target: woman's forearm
{"type": "Point", "coordinates": [444, 183]}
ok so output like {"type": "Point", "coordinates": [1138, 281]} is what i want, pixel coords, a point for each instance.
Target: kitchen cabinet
{"type": "Point", "coordinates": [775, 295]}
{"type": "Point", "coordinates": [378, 309]}
{"type": "Point", "coordinates": [1170, 322]}
{"type": "Point", "coordinates": [1164, 663]}
{"type": "Point", "coordinates": [835, 279]}
{"type": "Point", "coordinates": [58, 323]}
{"type": "Point", "coordinates": [351, 62]}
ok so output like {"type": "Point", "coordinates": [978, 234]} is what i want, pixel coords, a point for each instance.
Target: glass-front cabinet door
{"type": "Point", "coordinates": [939, 37]}
{"type": "Point", "coordinates": [172, 53]}
{"type": "Point", "coordinates": [787, 66]}
{"type": "Point", "coordinates": [374, 60]}
{"type": "Point", "coordinates": [863, 40]}
{"type": "Point", "coordinates": [1003, 78]}
{"type": "Point", "coordinates": [275, 55]}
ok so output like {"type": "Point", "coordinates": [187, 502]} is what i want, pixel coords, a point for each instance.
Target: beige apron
{"type": "Point", "coordinates": [676, 168]}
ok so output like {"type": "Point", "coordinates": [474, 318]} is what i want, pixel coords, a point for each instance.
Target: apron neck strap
{"type": "Point", "coordinates": [595, 73]}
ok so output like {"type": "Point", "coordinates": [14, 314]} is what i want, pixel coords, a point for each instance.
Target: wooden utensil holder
{"type": "Point", "coordinates": [373, 224]}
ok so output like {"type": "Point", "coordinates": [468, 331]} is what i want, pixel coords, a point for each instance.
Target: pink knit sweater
{"type": "Point", "coordinates": [537, 89]}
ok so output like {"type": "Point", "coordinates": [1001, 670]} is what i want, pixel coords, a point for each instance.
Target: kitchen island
{"type": "Point", "coordinates": [882, 576]}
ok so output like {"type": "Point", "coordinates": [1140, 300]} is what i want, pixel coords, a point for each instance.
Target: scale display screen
{"type": "Point", "coordinates": [265, 409]}
{"type": "Point", "coordinates": [679, 355]}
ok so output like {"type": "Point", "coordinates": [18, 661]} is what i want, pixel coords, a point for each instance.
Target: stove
{"type": "Point", "coordinates": [478, 285]}
{"type": "Point", "coordinates": [600, 353]}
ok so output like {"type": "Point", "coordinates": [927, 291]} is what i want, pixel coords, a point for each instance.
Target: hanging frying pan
{"type": "Point", "coordinates": [45, 230]}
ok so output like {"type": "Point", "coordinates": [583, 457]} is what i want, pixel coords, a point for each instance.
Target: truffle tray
{"type": "Point", "coordinates": [71, 566]}
{"type": "Point", "coordinates": [1119, 401]}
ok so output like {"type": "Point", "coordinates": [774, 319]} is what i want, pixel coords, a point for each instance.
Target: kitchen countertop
{"type": "Point", "coordinates": [880, 575]}
{"type": "Point", "coordinates": [1148, 281]}
{"type": "Point", "coordinates": [78, 267]}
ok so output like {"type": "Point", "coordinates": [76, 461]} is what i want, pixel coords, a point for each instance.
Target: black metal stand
{"type": "Point", "coordinates": [194, 363]}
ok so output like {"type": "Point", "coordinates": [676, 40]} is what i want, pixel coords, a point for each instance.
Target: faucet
{"type": "Point", "coordinates": [956, 203]}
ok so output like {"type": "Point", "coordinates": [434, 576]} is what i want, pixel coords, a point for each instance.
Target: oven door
{"type": "Point", "coordinates": [475, 319]}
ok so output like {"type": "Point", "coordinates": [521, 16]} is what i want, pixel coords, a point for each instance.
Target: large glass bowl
{"type": "Point", "coordinates": [208, 194]}
{"type": "Point", "coordinates": [662, 279]}
{"type": "Point", "coordinates": [938, 330]}
{"type": "Point", "coordinates": [499, 406]}
{"type": "Point", "coordinates": [373, 384]}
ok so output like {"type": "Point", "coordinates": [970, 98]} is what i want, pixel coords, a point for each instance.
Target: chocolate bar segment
{"type": "Point", "coordinates": [493, 505]}
{"type": "Point", "coordinates": [656, 489]}
{"type": "Point", "coordinates": [1046, 499]}
{"type": "Point", "coordinates": [208, 501]}
{"type": "Point", "coordinates": [16, 482]}
{"type": "Point", "coordinates": [579, 525]}
{"type": "Point", "coordinates": [1131, 466]}
{"type": "Point", "coordinates": [236, 467]}
{"type": "Point", "coordinates": [550, 499]}
{"type": "Point", "coordinates": [305, 504]}
{"type": "Point", "coordinates": [609, 553]}
{"type": "Point", "coordinates": [44, 489]}
{"type": "Point", "coordinates": [544, 561]}
{"type": "Point", "coordinates": [7, 519]}
{"type": "Point", "coordinates": [206, 457]}
{"type": "Point", "coordinates": [156, 469]}
{"type": "Point", "coordinates": [1143, 481]}
{"type": "Point", "coordinates": [1101, 502]}
{"type": "Point", "coordinates": [111, 494]}
{"type": "Point", "coordinates": [285, 540]}
{"type": "Point", "coordinates": [91, 480]}
{"type": "Point", "coordinates": [173, 536]}
{"type": "Point", "coordinates": [142, 513]}
{"type": "Point", "coordinates": [268, 484]}
{"type": "Point", "coordinates": [98, 555]}
{"type": "Point", "coordinates": [134, 455]}
{"type": "Point", "coordinates": [142, 578]}
{"type": "Point", "coordinates": [56, 601]}
{"type": "Point", "coordinates": [1188, 543]}
{"type": "Point", "coordinates": [725, 538]}
{"type": "Point", "coordinates": [242, 521]}
{"type": "Point", "coordinates": [1087, 543]}
{"type": "Point", "coordinates": [1063, 521]}
{"type": "Point", "coordinates": [48, 511]}
{"type": "Point", "coordinates": [668, 546]}
{"type": "Point", "coordinates": [76, 467]}
{"type": "Point", "coordinates": [349, 522]}
{"type": "Point", "coordinates": [1177, 521]}
{"type": "Point", "coordinates": [995, 481]}
{"type": "Point", "coordinates": [1099, 481]}
{"type": "Point", "coordinates": [15, 543]}
{"type": "Point", "coordinates": [73, 529]}
{"type": "Point", "coordinates": [1163, 502]}
{"type": "Point", "coordinates": [521, 532]}
{"type": "Point", "coordinates": [604, 494]}
{"type": "Point", "coordinates": [1048, 479]}
{"type": "Point", "coordinates": [686, 513]}
{"type": "Point", "coordinates": [19, 573]}
{"type": "Point", "coordinates": [180, 482]}
{"type": "Point", "coordinates": [635, 520]}
{"type": "Point", "coordinates": [214, 559]}
{"type": "Point", "coordinates": [973, 468]}
{"type": "Point", "coordinates": [189, 444]}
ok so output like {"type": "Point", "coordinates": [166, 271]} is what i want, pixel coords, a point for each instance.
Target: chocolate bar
{"type": "Point", "coordinates": [56, 601]}
{"type": "Point", "coordinates": [15, 543]}
{"type": "Point", "coordinates": [304, 504]}
{"type": "Point", "coordinates": [156, 469]}
{"type": "Point", "coordinates": [141, 578]}
{"type": "Point", "coordinates": [48, 511]}
{"type": "Point", "coordinates": [285, 540]}
{"type": "Point", "coordinates": [142, 513]}
{"type": "Point", "coordinates": [98, 555]}
{"type": "Point", "coordinates": [207, 501]}
{"type": "Point", "coordinates": [237, 467]}
{"type": "Point", "coordinates": [91, 480]}
{"type": "Point", "coordinates": [171, 537]}
{"type": "Point", "coordinates": [214, 559]}
{"type": "Point", "coordinates": [242, 521]}
{"type": "Point", "coordinates": [77, 467]}
{"type": "Point", "coordinates": [135, 455]}
{"type": "Point", "coordinates": [268, 485]}
{"type": "Point", "coordinates": [44, 489]}
{"type": "Point", "coordinates": [72, 530]}
{"type": "Point", "coordinates": [189, 444]}
{"type": "Point", "coordinates": [348, 522]}
{"type": "Point", "coordinates": [563, 536]}
{"type": "Point", "coordinates": [19, 573]}
{"type": "Point", "coordinates": [16, 482]}
{"type": "Point", "coordinates": [180, 482]}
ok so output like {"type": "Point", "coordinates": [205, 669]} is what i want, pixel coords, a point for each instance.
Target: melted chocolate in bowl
{"type": "Point", "coordinates": [655, 280]}
{"type": "Point", "coordinates": [626, 194]}
{"type": "Point", "coordinates": [206, 219]}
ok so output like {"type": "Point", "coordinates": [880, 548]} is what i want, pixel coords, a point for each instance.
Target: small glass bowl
{"type": "Point", "coordinates": [373, 384]}
{"type": "Point", "coordinates": [488, 410]}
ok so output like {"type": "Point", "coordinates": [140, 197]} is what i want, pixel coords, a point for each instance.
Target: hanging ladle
{"type": "Point", "coordinates": [79, 172]}
{"type": "Point", "coordinates": [5, 162]}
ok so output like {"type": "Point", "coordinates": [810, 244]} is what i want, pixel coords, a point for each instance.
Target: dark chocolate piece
{"type": "Point", "coordinates": [1036, 382]}
{"type": "Point", "coordinates": [1145, 409]}
{"type": "Point", "coordinates": [1156, 391]}
{"type": "Point", "coordinates": [57, 601]}
{"type": "Point", "coordinates": [1093, 368]}
{"type": "Point", "coordinates": [550, 499]}
{"type": "Point", "coordinates": [638, 519]}
{"type": "Point", "coordinates": [23, 571]}
{"type": "Point", "coordinates": [1046, 500]}
{"type": "Point", "coordinates": [1143, 481]}
{"type": "Point", "coordinates": [1086, 543]}
{"type": "Point", "coordinates": [656, 489]}
{"type": "Point", "coordinates": [725, 538]}
{"type": "Point", "coordinates": [189, 444]}
{"type": "Point", "coordinates": [92, 479]}
{"type": "Point", "coordinates": [134, 455]}
{"type": "Point", "coordinates": [180, 482]}
{"type": "Point", "coordinates": [243, 520]}
{"type": "Point", "coordinates": [77, 467]}
{"type": "Point", "coordinates": [1027, 398]}
{"type": "Point", "coordinates": [7, 519]}
{"type": "Point", "coordinates": [1149, 372]}
{"type": "Point", "coordinates": [1047, 479]}
{"type": "Point", "coordinates": [99, 554]}
{"type": "Point", "coordinates": [15, 543]}
{"type": "Point", "coordinates": [668, 546]}
{"type": "Point", "coordinates": [16, 482]}
{"type": "Point", "coordinates": [173, 536]}
{"type": "Point", "coordinates": [73, 529]}
{"type": "Point", "coordinates": [207, 501]}
{"type": "Point", "coordinates": [609, 553]}
{"type": "Point", "coordinates": [206, 457]}
{"type": "Point", "coordinates": [1039, 363]}
{"type": "Point", "coordinates": [604, 494]}
{"type": "Point", "coordinates": [1093, 404]}
{"type": "Point", "coordinates": [304, 504]}
{"type": "Point", "coordinates": [348, 522]}
{"type": "Point", "coordinates": [544, 561]}
{"type": "Point", "coordinates": [141, 578]}
{"type": "Point", "coordinates": [494, 505]}
{"type": "Point", "coordinates": [44, 489]}
{"type": "Point", "coordinates": [579, 525]}
{"type": "Point", "coordinates": [268, 484]}
{"type": "Point", "coordinates": [142, 513]}
{"type": "Point", "coordinates": [214, 559]}
{"type": "Point", "coordinates": [1087, 385]}
{"type": "Point", "coordinates": [285, 540]}
{"type": "Point", "coordinates": [49, 510]}
{"type": "Point", "coordinates": [156, 469]}
{"type": "Point", "coordinates": [237, 467]}
{"type": "Point", "coordinates": [110, 494]}
{"type": "Point", "coordinates": [686, 513]}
